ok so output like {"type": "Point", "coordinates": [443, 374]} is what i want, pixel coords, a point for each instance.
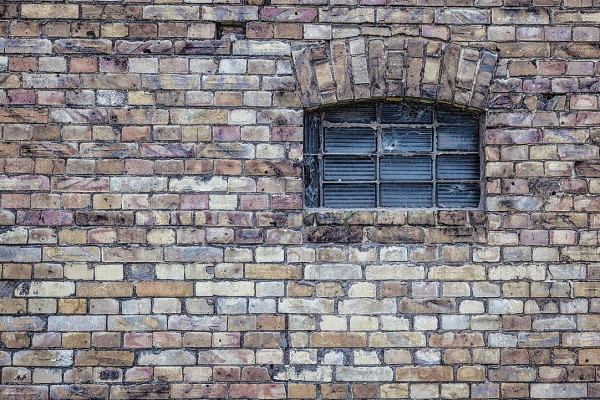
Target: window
{"type": "Point", "coordinates": [391, 154]}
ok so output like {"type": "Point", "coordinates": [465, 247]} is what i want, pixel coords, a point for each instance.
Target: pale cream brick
{"type": "Point", "coordinates": [362, 289]}
{"type": "Point", "coordinates": [170, 271]}
{"type": "Point", "coordinates": [471, 307]}
{"type": "Point", "coordinates": [364, 323]}
{"type": "Point", "coordinates": [109, 272]}
{"type": "Point", "coordinates": [333, 323]}
{"type": "Point", "coordinates": [269, 254]}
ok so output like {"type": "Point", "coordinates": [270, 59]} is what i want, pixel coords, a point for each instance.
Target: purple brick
{"type": "Point", "coordinates": [194, 201]}
{"type": "Point", "coordinates": [45, 218]}
{"type": "Point", "coordinates": [113, 65]}
{"type": "Point", "coordinates": [288, 14]}
{"type": "Point", "coordinates": [21, 97]}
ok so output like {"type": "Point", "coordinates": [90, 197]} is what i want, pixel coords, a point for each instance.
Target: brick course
{"type": "Point", "coordinates": [153, 242]}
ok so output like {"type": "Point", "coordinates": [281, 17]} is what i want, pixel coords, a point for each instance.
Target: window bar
{"type": "Point", "coordinates": [320, 157]}
{"type": "Point", "coordinates": [434, 140]}
{"type": "Point", "coordinates": [378, 153]}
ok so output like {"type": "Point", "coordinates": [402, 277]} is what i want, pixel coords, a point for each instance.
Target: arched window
{"type": "Point", "coordinates": [392, 154]}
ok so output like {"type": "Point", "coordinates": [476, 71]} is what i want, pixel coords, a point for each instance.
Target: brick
{"type": "Point", "coordinates": [558, 390]}
{"type": "Point", "coordinates": [391, 15]}
{"type": "Point", "coordinates": [133, 323]}
{"type": "Point", "coordinates": [79, 323]}
{"type": "Point", "coordinates": [48, 358]}
{"type": "Point", "coordinates": [332, 271]}
{"type": "Point", "coordinates": [190, 391]}
{"type": "Point", "coordinates": [104, 289]}
{"type": "Point", "coordinates": [332, 339]}
{"type": "Point", "coordinates": [354, 374]}
{"type": "Point", "coordinates": [168, 289]}
{"type": "Point", "coordinates": [45, 289]}
{"type": "Point", "coordinates": [462, 16]}
{"type": "Point", "coordinates": [71, 392]}
{"type": "Point", "coordinates": [424, 374]}
{"type": "Point", "coordinates": [197, 323]}
{"type": "Point", "coordinates": [154, 391]}
{"type": "Point", "coordinates": [115, 358]}
{"type": "Point", "coordinates": [262, 48]}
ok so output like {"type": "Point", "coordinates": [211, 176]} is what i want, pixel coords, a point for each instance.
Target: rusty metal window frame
{"type": "Point", "coordinates": [470, 185]}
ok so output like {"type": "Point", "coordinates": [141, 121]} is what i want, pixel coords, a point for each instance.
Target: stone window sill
{"type": "Point", "coordinates": [395, 226]}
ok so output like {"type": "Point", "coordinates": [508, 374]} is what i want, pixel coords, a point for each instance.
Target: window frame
{"type": "Point", "coordinates": [316, 116]}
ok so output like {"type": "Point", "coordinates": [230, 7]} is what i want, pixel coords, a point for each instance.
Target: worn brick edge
{"type": "Point", "coordinates": [380, 67]}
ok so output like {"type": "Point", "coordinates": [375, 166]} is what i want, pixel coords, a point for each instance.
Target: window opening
{"type": "Point", "coordinates": [392, 154]}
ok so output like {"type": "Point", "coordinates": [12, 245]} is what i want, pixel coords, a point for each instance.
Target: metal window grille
{"type": "Point", "coordinates": [391, 154]}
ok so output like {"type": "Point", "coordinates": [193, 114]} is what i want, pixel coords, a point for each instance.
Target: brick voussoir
{"type": "Point", "coordinates": [469, 88]}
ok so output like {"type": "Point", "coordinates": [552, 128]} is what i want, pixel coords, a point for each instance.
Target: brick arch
{"type": "Point", "coordinates": [378, 67]}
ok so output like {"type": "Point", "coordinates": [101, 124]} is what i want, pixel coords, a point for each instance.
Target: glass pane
{"type": "Point", "coordinates": [446, 116]}
{"type": "Point", "coordinates": [406, 194]}
{"type": "Point", "coordinates": [311, 181]}
{"type": "Point", "coordinates": [457, 195]}
{"type": "Point", "coordinates": [350, 140]}
{"type": "Point", "coordinates": [348, 168]}
{"type": "Point", "coordinates": [359, 195]}
{"type": "Point", "coordinates": [453, 137]}
{"type": "Point", "coordinates": [406, 139]}
{"type": "Point", "coordinates": [399, 113]}
{"type": "Point", "coordinates": [311, 133]}
{"type": "Point", "coordinates": [405, 168]}
{"type": "Point", "coordinates": [357, 113]}
{"type": "Point", "coordinates": [458, 167]}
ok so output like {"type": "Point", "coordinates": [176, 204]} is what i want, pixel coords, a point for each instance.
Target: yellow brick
{"type": "Point", "coordinates": [139, 98]}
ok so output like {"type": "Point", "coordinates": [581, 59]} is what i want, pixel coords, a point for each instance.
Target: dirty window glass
{"type": "Point", "coordinates": [391, 154]}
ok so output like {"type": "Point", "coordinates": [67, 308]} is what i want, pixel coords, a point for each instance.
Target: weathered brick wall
{"type": "Point", "coordinates": [153, 242]}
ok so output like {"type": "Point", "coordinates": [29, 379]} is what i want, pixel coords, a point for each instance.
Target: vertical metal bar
{"type": "Point", "coordinates": [378, 153]}
{"type": "Point", "coordinates": [321, 149]}
{"type": "Point", "coordinates": [434, 138]}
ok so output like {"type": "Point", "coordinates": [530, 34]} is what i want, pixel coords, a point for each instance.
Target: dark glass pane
{"type": "Point", "coordinates": [406, 139]}
{"type": "Point", "coordinates": [457, 195]}
{"type": "Point", "coordinates": [350, 140]}
{"type": "Point", "coordinates": [399, 113]}
{"type": "Point", "coordinates": [454, 137]}
{"type": "Point", "coordinates": [311, 181]}
{"type": "Point", "coordinates": [348, 168]}
{"type": "Point", "coordinates": [458, 167]}
{"type": "Point", "coordinates": [405, 168]}
{"type": "Point", "coordinates": [357, 113]}
{"type": "Point", "coordinates": [359, 195]}
{"type": "Point", "coordinates": [406, 195]}
{"type": "Point", "coordinates": [446, 116]}
{"type": "Point", "coordinates": [311, 133]}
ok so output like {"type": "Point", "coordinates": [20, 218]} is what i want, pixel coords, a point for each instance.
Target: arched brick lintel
{"type": "Point", "coordinates": [379, 67]}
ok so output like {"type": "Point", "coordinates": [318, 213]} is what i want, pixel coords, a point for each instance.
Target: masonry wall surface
{"type": "Point", "coordinates": [154, 243]}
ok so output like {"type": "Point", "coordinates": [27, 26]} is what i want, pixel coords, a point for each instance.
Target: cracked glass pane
{"type": "Point", "coordinates": [458, 195]}
{"type": "Point", "coordinates": [406, 194]}
{"type": "Point", "coordinates": [348, 168]}
{"type": "Point", "coordinates": [401, 112]}
{"type": "Point", "coordinates": [458, 167]}
{"type": "Point", "coordinates": [406, 139]}
{"type": "Point", "coordinates": [311, 181]}
{"type": "Point", "coordinates": [398, 168]}
{"type": "Point", "coordinates": [359, 195]}
{"type": "Point", "coordinates": [350, 140]}
{"type": "Point", "coordinates": [311, 133]}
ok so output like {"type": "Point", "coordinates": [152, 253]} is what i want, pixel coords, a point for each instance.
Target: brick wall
{"type": "Point", "coordinates": [153, 243]}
